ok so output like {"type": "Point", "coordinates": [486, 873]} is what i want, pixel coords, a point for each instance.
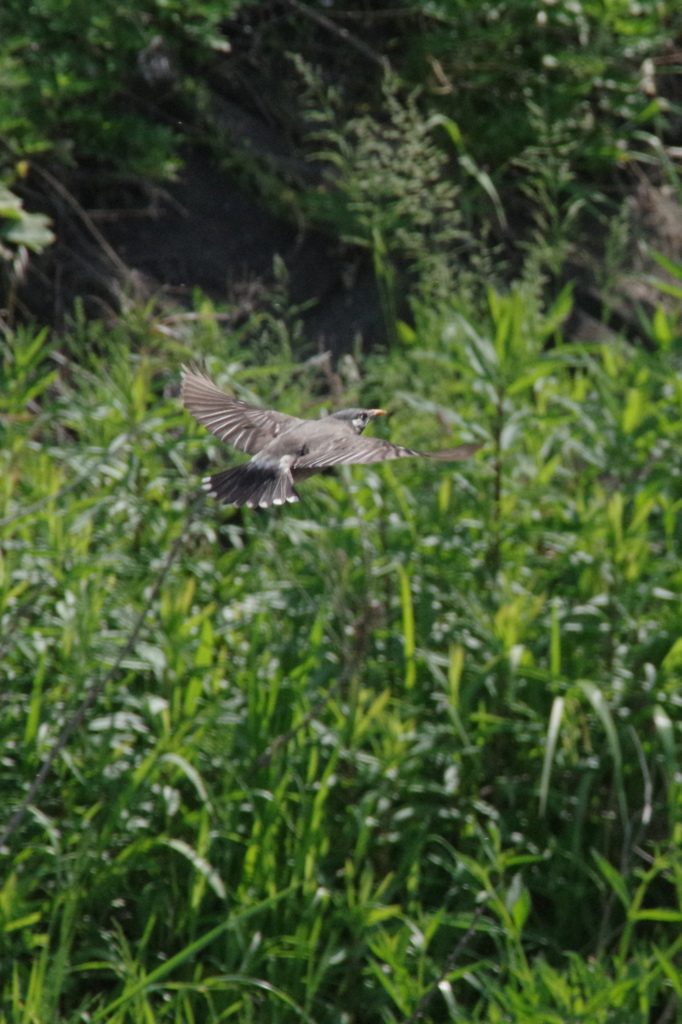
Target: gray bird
{"type": "Point", "coordinates": [285, 449]}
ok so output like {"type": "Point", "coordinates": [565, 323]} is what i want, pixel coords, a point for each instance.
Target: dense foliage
{"type": "Point", "coordinates": [410, 749]}
{"type": "Point", "coordinates": [121, 87]}
{"type": "Point", "coordinates": [346, 725]}
{"type": "Point", "coordinates": [74, 76]}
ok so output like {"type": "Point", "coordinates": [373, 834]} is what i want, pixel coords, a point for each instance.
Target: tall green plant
{"type": "Point", "coordinates": [352, 738]}
{"type": "Point", "coordinates": [389, 189]}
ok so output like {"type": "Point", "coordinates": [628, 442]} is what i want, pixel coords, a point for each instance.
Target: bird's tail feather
{"type": "Point", "coordinates": [251, 486]}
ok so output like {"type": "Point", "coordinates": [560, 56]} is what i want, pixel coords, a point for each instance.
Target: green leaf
{"type": "Point", "coordinates": [614, 878]}
{"type": "Point", "coordinates": [553, 732]}
{"type": "Point", "coordinates": [30, 230]}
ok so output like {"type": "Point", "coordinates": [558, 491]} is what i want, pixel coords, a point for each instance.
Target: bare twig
{"type": "Point", "coordinates": [61, 190]}
{"type": "Point", "coordinates": [337, 30]}
{"type": "Point", "coordinates": [450, 963]}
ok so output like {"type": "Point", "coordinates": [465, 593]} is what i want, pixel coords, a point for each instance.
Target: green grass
{"type": "Point", "coordinates": [345, 728]}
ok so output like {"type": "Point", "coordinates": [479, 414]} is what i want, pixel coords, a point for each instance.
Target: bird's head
{"type": "Point", "coordinates": [358, 418]}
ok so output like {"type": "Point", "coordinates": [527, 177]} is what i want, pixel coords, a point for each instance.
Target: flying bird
{"type": "Point", "coordinates": [286, 449]}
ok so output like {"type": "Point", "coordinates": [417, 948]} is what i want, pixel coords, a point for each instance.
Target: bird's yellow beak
{"type": "Point", "coordinates": [378, 412]}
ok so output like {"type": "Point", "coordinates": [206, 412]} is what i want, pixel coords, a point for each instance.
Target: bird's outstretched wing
{"type": "Point", "coordinates": [362, 450]}
{"type": "Point", "coordinates": [246, 427]}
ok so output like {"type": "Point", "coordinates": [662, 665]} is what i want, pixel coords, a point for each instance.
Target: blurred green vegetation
{"type": "Point", "coordinates": [345, 726]}
{"type": "Point", "coordinates": [411, 748]}
{"type": "Point", "coordinates": [491, 62]}
{"type": "Point", "coordinates": [74, 76]}
{"type": "Point", "coordinates": [122, 87]}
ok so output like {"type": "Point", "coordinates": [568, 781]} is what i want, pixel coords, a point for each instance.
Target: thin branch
{"type": "Point", "coordinates": [340, 32]}
{"type": "Point", "coordinates": [450, 963]}
{"type": "Point", "coordinates": [86, 219]}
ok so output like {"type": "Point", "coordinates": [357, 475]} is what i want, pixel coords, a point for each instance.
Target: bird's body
{"type": "Point", "coordinates": [285, 449]}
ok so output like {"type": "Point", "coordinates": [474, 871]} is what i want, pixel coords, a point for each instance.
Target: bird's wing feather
{"type": "Point", "coordinates": [246, 427]}
{"type": "Point", "coordinates": [362, 450]}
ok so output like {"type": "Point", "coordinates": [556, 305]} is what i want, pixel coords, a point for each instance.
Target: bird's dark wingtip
{"type": "Point", "coordinates": [463, 451]}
